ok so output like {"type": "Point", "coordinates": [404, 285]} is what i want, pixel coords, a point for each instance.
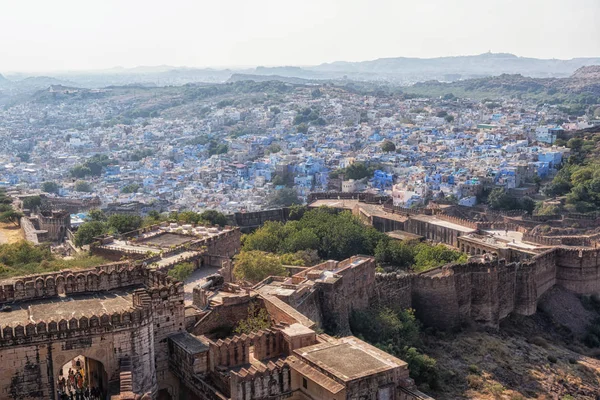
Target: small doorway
{"type": "Point", "coordinates": [82, 378]}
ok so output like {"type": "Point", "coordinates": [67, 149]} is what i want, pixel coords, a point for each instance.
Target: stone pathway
{"type": "Point", "coordinates": [197, 278]}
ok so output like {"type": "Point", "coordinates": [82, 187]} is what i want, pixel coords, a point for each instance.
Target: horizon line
{"type": "Point", "coordinates": [242, 67]}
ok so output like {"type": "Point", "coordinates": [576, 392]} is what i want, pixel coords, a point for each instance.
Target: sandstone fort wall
{"type": "Point", "coordinates": [485, 293]}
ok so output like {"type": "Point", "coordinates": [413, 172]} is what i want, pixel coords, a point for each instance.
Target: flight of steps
{"type": "Point", "coordinates": [125, 381]}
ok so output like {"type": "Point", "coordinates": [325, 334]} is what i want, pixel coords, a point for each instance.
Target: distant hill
{"type": "Point", "coordinates": [266, 78]}
{"type": "Point", "coordinates": [397, 70]}
{"type": "Point", "coordinates": [582, 87]}
{"type": "Point", "coordinates": [461, 67]}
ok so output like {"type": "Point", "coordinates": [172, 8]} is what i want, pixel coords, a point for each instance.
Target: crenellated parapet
{"type": "Point", "coordinates": [578, 269]}
{"type": "Point", "coordinates": [460, 221]}
{"type": "Point", "coordinates": [83, 326]}
{"type": "Point", "coordinates": [235, 351]}
{"type": "Point", "coordinates": [261, 381]}
{"type": "Point", "coordinates": [487, 292]}
{"type": "Point", "coordinates": [101, 278]}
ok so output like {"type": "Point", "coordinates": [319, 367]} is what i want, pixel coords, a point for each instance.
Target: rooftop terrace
{"type": "Point", "coordinates": [74, 306]}
{"type": "Point", "coordinates": [350, 358]}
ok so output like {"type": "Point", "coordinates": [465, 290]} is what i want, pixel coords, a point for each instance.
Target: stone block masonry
{"type": "Point", "coordinates": [35, 346]}
{"type": "Point", "coordinates": [486, 293]}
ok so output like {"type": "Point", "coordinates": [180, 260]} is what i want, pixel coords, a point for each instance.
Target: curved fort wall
{"type": "Point", "coordinates": [453, 294]}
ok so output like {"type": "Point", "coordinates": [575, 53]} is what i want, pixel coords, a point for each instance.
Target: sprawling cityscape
{"type": "Point", "coordinates": [404, 228]}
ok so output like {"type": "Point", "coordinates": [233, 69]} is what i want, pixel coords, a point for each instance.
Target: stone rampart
{"type": "Point", "coordinates": [74, 327]}
{"type": "Point", "coordinates": [488, 292]}
{"type": "Point", "coordinates": [543, 240]}
{"type": "Point", "coordinates": [459, 221]}
{"type": "Point", "coordinates": [101, 278]}
{"type": "Point", "coordinates": [360, 196]}
{"type": "Point", "coordinates": [269, 382]}
{"type": "Point", "coordinates": [98, 279]}
{"type": "Point", "coordinates": [29, 230]}
{"type": "Point", "coordinates": [407, 211]}
{"type": "Point", "coordinates": [578, 269]}
{"type": "Point", "coordinates": [392, 290]}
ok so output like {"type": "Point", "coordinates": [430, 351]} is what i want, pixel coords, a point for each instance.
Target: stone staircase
{"type": "Point", "coordinates": [125, 391]}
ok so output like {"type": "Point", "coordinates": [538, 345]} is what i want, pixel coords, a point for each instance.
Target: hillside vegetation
{"type": "Point", "coordinates": [582, 88]}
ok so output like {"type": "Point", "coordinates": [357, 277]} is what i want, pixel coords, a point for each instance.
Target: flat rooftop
{"type": "Point", "coordinates": [432, 219]}
{"type": "Point", "coordinates": [334, 203]}
{"type": "Point", "coordinates": [189, 343]}
{"type": "Point", "coordinates": [402, 235]}
{"type": "Point", "coordinates": [511, 239]}
{"type": "Point", "coordinates": [68, 307]}
{"type": "Point", "coordinates": [173, 258]}
{"type": "Point", "coordinates": [167, 240]}
{"type": "Point", "coordinates": [378, 211]}
{"type": "Point", "coordinates": [350, 358]}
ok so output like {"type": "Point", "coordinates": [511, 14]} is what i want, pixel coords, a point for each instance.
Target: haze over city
{"type": "Point", "coordinates": [299, 200]}
{"type": "Point", "coordinates": [74, 35]}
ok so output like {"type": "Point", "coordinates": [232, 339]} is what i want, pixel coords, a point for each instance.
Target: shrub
{"type": "Point", "coordinates": [552, 359]}
{"type": "Point", "coordinates": [182, 271]}
{"type": "Point", "coordinates": [539, 341]}
{"type": "Point", "coordinates": [258, 319]}
{"type": "Point", "coordinates": [254, 266]}
{"type": "Point", "coordinates": [473, 369]}
{"type": "Point", "coordinates": [475, 381]}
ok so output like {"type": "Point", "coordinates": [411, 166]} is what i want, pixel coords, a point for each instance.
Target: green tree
{"type": "Point", "coordinates": [388, 146]}
{"type": "Point", "coordinates": [258, 319]}
{"type": "Point", "coordinates": [274, 148]}
{"type": "Point", "coordinates": [131, 188]}
{"type": "Point", "coordinates": [88, 231]}
{"type": "Point", "coordinates": [11, 216]}
{"type": "Point", "coordinates": [182, 271]}
{"type": "Point", "coordinates": [32, 202]}
{"type": "Point", "coordinates": [80, 171]}
{"type": "Point", "coordinates": [214, 217]}
{"type": "Point", "coordinates": [254, 266]}
{"type": "Point", "coordinates": [302, 128]}
{"type": "Point", "coordinates": [428, 256]}
{"type": "Point", "coordinates": [303, 239]}
{"type": "Point", "coordinates": [50, 187]}
{"type": "Point", "coordinates": [449, 118]}
{"type": "Point", "coordinates": [284, 198]}
{"type": "Point", "coordinates": [499, 199]}
{"type": "Point", "coordinates": [123, 223]}
{"type": "Point", "coordinates": [316, 93]}
{"type": "Point", "coordinates": [82, 186]}
{"type": "Point", "coordinates": [266, 238]}
{"type": "Point", "coordinates": [96, 215]}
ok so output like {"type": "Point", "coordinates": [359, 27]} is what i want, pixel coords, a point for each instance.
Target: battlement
{"type": "Point", "coordinates": [459, 221]}
{"type": "Point", "coordinates": [136, 316]}
{"type": "Point", "coordinates": [68, 282]}
{"type": "Point", "coordinates": [360, 196]}
{"type": "Point", "coordinates": [97, 279]}
{"type": "Point", "coordinates": [409, 211]}
{"type": "Point", "coordinates": [543, 240]}
{"type": "Point", "coordinates": [235, 351]}
{"type": "Point", "coordinates": [259, 371]}
{"type": "Point", "coordinates": [489, 291]}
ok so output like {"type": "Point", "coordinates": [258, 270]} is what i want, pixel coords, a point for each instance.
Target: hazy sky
{"type": "Point", "coordinates": [44, 35]}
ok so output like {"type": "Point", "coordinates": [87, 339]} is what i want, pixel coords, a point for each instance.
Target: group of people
{"type": "Point", "coordinates": [74, 387]}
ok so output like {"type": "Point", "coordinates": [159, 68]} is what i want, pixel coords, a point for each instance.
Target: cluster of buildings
{"type": "Point", "coordinates": [141, 335]}
{"type": "Point", "coordinates": [232, 155]}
